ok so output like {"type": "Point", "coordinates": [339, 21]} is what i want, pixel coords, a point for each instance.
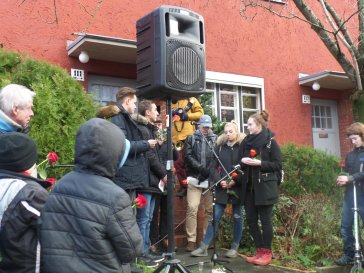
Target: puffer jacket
{"type": "Point", "coordinates": [135, 172]}
{"type": "Point", "coordinates": [229, 156]}
{"type": "Point", "coordinates": [193, 153]}
{"type": "Point", "coordinates": [7, 125]}
{"type": "Point", "coordinates": [88, 223]}
{"type": "Point", "coordinates": [264, 178]}
{"type": "Point", "coordinates": [156, 167]}
{"type": "Point", "coordinates": [21, 201]}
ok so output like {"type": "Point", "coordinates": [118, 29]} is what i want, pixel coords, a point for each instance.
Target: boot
{"type": "Point", "coordinates": [233, 251]}
{"type": "Point", "coordinates": [201, 251]}
{"type": "Point", "coordinates": [253, 258]}
{"type": "Point", "coordinates": [265, 258]}
{"type": "Point", "coordinates": [191, 246]}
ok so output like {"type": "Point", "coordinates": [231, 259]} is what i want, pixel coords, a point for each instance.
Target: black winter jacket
{"type": "Point", "coordinates": [88, 223]}
{"type": "Point", "coordinates": [193, 166]}
{"type": "Point", "coordinates": [262, 180]}
{"type": "Point", "coordinates": [155, 163]}
{"type": "Point", "coordinates": [353, 163]}
{"type": "Point", "coordinates": [21, 201]}
{"type": "Point", "coordinates": [229, 156]}
{"type": "Point", "coordinates": [135, 172]}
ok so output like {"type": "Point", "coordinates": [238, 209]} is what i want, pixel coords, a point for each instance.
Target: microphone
{"type": "Point", "coordinates": [195, 123]}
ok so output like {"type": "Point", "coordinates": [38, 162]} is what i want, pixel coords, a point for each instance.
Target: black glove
{"type": "Point", "coordinates": [184, 116]}
{"type": "Point", "coordinates": [177, 111]}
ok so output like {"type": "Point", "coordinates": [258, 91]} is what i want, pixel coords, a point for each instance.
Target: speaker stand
{"type": "Point", "coordinates": [171, 264]}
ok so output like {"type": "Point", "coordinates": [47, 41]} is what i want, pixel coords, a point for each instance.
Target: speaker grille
{"type": "Point", "coordinates": [185, 65]}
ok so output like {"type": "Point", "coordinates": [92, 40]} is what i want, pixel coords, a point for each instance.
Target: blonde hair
{"type": "Point", "coordinates": [261, 118]}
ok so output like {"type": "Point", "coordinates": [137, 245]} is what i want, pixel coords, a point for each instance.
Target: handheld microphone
{"type": "Point", "coordinates": [237, 167]}
{"type": "Point", "coordinates": [195, 123]}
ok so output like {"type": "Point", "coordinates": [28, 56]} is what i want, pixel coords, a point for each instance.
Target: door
{"type": "Point", "coordinates": [325, 126]}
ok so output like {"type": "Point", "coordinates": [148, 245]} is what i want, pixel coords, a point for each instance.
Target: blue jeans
{"type": "Point", "coordinates": [238, 223]}
{"type": "Point", "coordinates": [347, 220]}
{"type": "Point", "coordinates": [144, 218]}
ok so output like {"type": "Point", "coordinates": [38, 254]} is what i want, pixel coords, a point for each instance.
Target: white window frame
{"type": "Point", "coordinates": [242, 81]}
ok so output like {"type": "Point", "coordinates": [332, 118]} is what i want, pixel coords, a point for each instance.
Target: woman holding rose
{"type": "Point", "coordinates": [261, 162]}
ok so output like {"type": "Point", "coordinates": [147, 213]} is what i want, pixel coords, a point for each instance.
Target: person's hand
{"type": "Point", "coordinates": [342, 180]}
{"type": "Point", "coordinates": [160, 142]}
{"type": "Point", "coordinates": [223, 184]}
{"type": "Point", "coordinates": [164, 179]}
{"type": "Point", "coordinates": [152, 143]}
{"type": "Point", "coordinates": [251, 161]}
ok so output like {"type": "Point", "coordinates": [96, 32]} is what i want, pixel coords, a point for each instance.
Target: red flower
{"type": "Point", "coordinates": [219, 169]}
{"type": "Point", "coordinates": [184, 182]}
{"type": "Point", "coordinates": [342, 164]}
{"type": "Point", "coordinates": [253, 153]}
{"type": "Point", "coordinates": [139, 202]}
{"type": "Point", "coordinates": [176, 118]}
{"type": "Point", "coordinates": [52, 157]}
{"type": "Point", "coordinates": [234, 175]}
{"type": "Point", "coordinates": [51, 180]}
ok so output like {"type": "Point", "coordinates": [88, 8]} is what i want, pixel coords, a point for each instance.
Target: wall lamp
{"type": "Point", "coordinates": [84, 57]}
{"type": "Point", "coordinates": [316, 86]}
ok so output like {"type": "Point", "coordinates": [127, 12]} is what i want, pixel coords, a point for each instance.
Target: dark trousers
{"type": "Point", "coordinates": [158, 226]}
{"type": "Point", "coordinates": [262, 236]}
{"type": "Point", "coordinates": [179, 164]}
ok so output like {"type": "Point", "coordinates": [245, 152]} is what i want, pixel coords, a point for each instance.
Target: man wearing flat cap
{"type": "Point", "coordinates": [22, 198]}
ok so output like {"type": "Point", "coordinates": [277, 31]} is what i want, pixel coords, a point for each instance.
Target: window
{"type": "Point", "coordinates": [104, 89]}
{"type": "Point", "coordinates": [234, 97]}
{"type": "Point", "coordinates": [321, 117]}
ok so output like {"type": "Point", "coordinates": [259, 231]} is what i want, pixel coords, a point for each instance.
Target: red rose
{"type": "Point", "coordinates": [184, 182]}
{"type": "Point", "coordinates": [253, 153]}
{"type": "Point", "coordinates": [342, 164]}
{"type": "Point", "coordinates": [176, 118]}
{"type": "Point", "coordinates": [234, 175]}
{"type": "Point", "coordinates": [139, 202]}
{"type": "Point", "coordinates": [51, 180]}
{"type": "Point", "coordinates": [219, 169]}
{"type": "Point", "coordinates": [52, 157]}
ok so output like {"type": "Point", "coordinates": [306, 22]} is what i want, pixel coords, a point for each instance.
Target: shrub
{"type": "Point", "coordinates": [61, 103]}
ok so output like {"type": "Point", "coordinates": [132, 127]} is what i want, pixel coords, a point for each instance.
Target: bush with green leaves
{"type": "Point", "coordinates": [61, 103]}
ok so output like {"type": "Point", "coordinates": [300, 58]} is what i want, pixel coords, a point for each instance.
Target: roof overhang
{"type": "Point", "coordinates": [103, 48]}
{"type": "Point", "coordinates": [328, 80]}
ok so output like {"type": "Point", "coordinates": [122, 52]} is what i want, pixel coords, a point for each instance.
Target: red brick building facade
{"type": "Point", "coordinates": [251, 64]}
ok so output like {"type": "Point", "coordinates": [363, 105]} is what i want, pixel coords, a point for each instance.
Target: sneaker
{"type": "Point", "coordinates": [200, 252]}
{"type": "Point", "coordinates": [265, 258]}
{"type": "Point", "coordinates": [191, 246]}
{"type": "Point", "coordinates": [142, 260]}
{"type": "Point", "coordinates": [154, 258]}
{"type": "Point", "coordinates": [344, 260]}
{"type": "Point", "coordinates": [231, 253]}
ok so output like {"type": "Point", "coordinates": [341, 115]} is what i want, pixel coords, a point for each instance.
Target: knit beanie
{"type": "Point", "coordinates": [18, 152]}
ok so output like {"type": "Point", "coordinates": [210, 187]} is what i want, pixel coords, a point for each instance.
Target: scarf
{"type": "Point", "coordinates": [257, 141]}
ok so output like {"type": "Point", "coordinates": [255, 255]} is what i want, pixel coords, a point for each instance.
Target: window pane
{"type": "Point", "coordinates": [329, 123]}
{"type": "Point", "coordinates": [227, 100]}
{"type": "Point", "coordinates": [328, 111]}
{"type": "Point", "coordinates": [318, 123]}
{"type": "Point", "coordinates": [227, 115]}
{"type": "Point", "coordinates": [250, 102]}
{"type": "Point", "coordinates": [249, 90]}
{"type": "Point", "coordinates": [323, 123]}
{"type": "Point", "coordinates": [210, 86]}
{"type": "Point", "coordinates": [227, 87]}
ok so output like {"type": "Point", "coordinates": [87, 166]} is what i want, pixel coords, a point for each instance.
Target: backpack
{"type": "Point", "coordinates": [280, 173]}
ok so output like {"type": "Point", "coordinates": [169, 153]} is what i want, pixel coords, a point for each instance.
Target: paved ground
{"type": "Point", "coordinates": [237, 265]}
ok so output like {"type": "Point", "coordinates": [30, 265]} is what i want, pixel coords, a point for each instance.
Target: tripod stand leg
{"type": "Point", "coordinates": [171, 266]}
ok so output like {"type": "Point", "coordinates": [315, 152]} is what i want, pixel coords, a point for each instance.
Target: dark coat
{"type": "Point", "coordinates": [229, 156]}
{"type": "Point", "coordinates": [135, 172]}
{"type": "Point", "coordinates": [263, 179]}
{"type": "Point", "coordinates": [193, 151]}
{"type": "Point", "coordinates": [24, 198]}
{"type": "Point", "coordinates": [88, 223]}
{"type": "Point", "coordinates": [155, 163]}
{"type": "Point", "coordinates": [353, 163]}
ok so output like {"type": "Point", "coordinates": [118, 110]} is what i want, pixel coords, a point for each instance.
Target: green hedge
{"type": "Point", "coordinates": [61, 103]}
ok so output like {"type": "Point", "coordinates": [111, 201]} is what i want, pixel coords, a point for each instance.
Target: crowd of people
{"type": "Point", "coordinates": [87, 222]}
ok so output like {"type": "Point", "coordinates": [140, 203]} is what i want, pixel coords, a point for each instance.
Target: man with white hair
{"type": "Point", "coordinates": [16, 102]}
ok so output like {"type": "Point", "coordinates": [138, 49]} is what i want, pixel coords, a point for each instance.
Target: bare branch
{"type": "Point", "coordinates": [91, 14]}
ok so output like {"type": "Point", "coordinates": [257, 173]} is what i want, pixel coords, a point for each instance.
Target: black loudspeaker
{"type": "Point", "coordinates": [170, 54]}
